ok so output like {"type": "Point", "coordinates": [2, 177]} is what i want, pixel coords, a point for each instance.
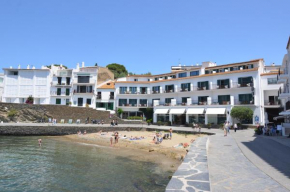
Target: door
{"type": "Point", "coordinates": [67, 91]}
{"type": "Point", "coordinates": [80, 102]}
{"type": "Point", "coordinates": [68, 80]}
{"type": "Point", "coordinates": [271, 100]}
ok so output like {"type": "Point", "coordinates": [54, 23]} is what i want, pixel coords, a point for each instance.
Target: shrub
{"type": "Point", "coordinates": [120, 111]}
{"type": "Point", "coordinates": [12, 114]}
{"type": "Point", "coordinates": [29, 100]}
{"type": "Point", "coordinates": [168, 123]}
{"type": "Point", "coordinates": [134, 118]}
{"type": "Point", "coordinates": [159, 123]}
{"type": "Point", "coordinates": [149, 121]}
{"type": "Point", "coordinates": [242, 113]}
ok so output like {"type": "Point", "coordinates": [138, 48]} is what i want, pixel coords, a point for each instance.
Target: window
{"type": "Point", "coordinates": [83, 79]}
{"type": "Point", "coordinates": [185, 87]}
{"type": "Point", "coordinates": [156, 89]}
{"type": "Point", "coordinates": [133, 90]}
{"type": "Point", "coordinates": [67, 101]}
{"type": "Point", "coordinates": [1, 80]}
{"type": "Point", "coordinates": [202, 100]}
{"type": "Point", "coordinates": [122, 102]}
{"type": "Point", "coordinates": [13, 73]}
{"type": "Point", "coordinates": [168, 100]}
{"type": "Point", "coordinates": [194, 73]}
{"type": "Point", "coordinates": [169, 88]}
{"type": "Point", "coordinates": [148, 79]}
{"type": "Point", "coordinates": [58, 92]}
{"type": "Point", "coordinates": [224, 99]}
{"type": "Point", "coordinates": [59, 80]}
{"type": "Point", "coordinates": [67, 91]}
{"type": "Point", "coordinates": [203, 85]}
{"type": "Point", "coordinates": [58, 101]}
{"type": "Point", "coordinates": [223, 83]}
{"type": "Point", "coordinates": [123, 90]}
{"type": "Point", "coordinates": [245, 81]}
{"type": "Point", "coordinates": [184, 99]}
{"type": "Point", "coordinates": [180, 75]}
{"type": "Point", "coordinates": [156, 79]}
{"type": "Point", "coordinates": [272, 81]}
{"type": "Point", "coordinates": [143, 101]}
{"type": "Point", "coordinates": [165, 77]}
{"type": "Point", "coordinates": [135, 79]}
{"type": "Point", "coordinates": [133, 102]}
{"type": "Point", "coordinates": [246, 99]}
{"type": "Point", "coordinates": [89, 101]}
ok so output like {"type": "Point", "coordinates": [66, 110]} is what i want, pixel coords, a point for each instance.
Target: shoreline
{"type": "Point", "coordinates": [166, 156]}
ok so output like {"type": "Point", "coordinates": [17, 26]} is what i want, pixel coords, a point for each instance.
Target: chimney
{"type": "Point", "coordinates": [78, 66]}
{"type": "Point", "coordinates": [83, 64]}
{"type": "Point", "coordinates": [19, 66]}
{"type": "Point", "coordinates": [28, 67]}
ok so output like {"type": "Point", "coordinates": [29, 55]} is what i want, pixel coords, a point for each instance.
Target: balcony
{"type": "Point", "coordinates": [60, 84]}
{"type": "Point", "coordinates": [271, 103]}
{"type": "Point", "coordinates": [99, 97]}
{"type": "Point", "coordinates": [169, 91]}
{"type": "Point", "coordinates": [83, 92]}
{"type": "Point", "coordinates": [216, 102]}
{"type": "Point", "coordinates": [214, 86]}
{"type": "Point", "coordinates": [284, 93]}
{"type": "Point", "coordinates": [90, 82]}
{"type": "Point", "coordinates": [60, 94]}
{"type": "Point", "coordinates": [237, 102]}
{"type": "Point", "coordinates": [156, 92]}
{"type": "Point", "coordinates": [202, 88]}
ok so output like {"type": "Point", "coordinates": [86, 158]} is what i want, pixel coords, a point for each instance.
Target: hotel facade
{"type": "Point", "coordinates": [202, 94]}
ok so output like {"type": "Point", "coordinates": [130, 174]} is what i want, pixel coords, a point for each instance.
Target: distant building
{"type": "Point", "coordinates": [1, 85]}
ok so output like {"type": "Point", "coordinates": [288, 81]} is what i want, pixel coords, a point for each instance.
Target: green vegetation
{"type": "Point", "coordinates": [29, 100]}
{"type": "Point", "coordinates": [12, 114]}
{"type": "Point", "coordinates": [120, 111]}
{"type": "Point", "coordinates": [149, 121]}
{"type": "Point", "coordinates": [242, 113]}
{"type": "Point", "coordinates": [118, 70]}
{"type": "Point", "coordinates": [135, 118]}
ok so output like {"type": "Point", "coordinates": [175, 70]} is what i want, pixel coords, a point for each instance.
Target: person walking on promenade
{"type": "Point", "coordinates": [170, 133]}
{"type": "Point", "coordinates": [235, 127]}
{"type": "Point", "coordinates": [225, 129]}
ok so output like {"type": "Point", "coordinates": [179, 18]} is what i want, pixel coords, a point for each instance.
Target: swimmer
{"type": "Point", "coordinates": [39, 142]}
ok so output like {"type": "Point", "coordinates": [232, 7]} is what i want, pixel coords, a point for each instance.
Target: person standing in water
{"type": "Point", "coordinates": [39, 142]}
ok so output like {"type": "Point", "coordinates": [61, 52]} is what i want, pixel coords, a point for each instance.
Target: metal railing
{"type": "Point", "coordinates": [76, 91]}
{"type": "Point", "coordinates": [271, 102]}
{"type": "Point", "coordinates": [216, 86]}
{"type": "Point", "coordinates": [238, 102]}
{"type": "Point", "coordinates": [55, 93]}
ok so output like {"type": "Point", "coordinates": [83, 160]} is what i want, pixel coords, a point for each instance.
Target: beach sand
{"type": "Point", "coordinates": [146, 145]}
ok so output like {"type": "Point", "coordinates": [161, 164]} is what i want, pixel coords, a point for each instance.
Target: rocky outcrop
{"type": "Point", "coordinates": [34, 113]}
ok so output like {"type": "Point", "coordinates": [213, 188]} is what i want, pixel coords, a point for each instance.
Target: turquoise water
{"type": "Point", "coordinates": [68, 166]}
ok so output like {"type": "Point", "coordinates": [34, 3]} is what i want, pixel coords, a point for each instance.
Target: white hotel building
{"type": "Point", "coordinates": [284, 91]}
{"type": "Point", "coordinates": [202, 94]}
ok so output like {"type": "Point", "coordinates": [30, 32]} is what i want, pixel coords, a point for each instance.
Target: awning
{"type": "Point", "coordinates": [278, 117]}
{"type": "Point", "coordinates": [285, 112]}
{"type": "Point", "coordinates": [195, 111]}
{"type": "Point", "coordinates": [177, 111]}
{"type": "Point", "coordinates": [161, 111]}
{"type": "Point", "coordinates": [214, 111]}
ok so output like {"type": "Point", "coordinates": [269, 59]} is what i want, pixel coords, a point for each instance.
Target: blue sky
{"type": "Point", "coordinates": [147, 35]}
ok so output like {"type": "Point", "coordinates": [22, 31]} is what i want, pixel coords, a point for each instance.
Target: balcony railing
{"type": "Point", "coordinates": [217, 102]}
{"type": "Point", "coordinates": [111, 97]}
{"type": "Point", "coordinates": [76, 91]}
{"type": "Point", "coordinates": [55, 93]}
{"type": "Point", "coordinates": [156, 92]}
{"type": "Point", "coordinates": [216, 86]}
{"type": "Point", "coordinates": [271, 102]}
{"type": "Point", "coordinates": [99, 96]}
{"type": "Point", "coordinates": [169, 91]}
{"type": "Point", "coordinates": [91, 81]}
{"type": "Point", "coordinates": [60, 84]}
{"type": "Point", "coordinates": [238, 102]}
{"type": "Point", "coordinates": [202, 88]}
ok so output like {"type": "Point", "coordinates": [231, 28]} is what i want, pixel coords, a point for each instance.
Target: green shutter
{"type": "Point", "coordinates": [67, 91]}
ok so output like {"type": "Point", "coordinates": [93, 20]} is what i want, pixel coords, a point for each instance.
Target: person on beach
{"type": "Point", "coordinates": [85, 132]}
{"type": "Point", "coordinates": [235, 127]}
{"type": "Point", "coordinates": [228, 126]}
{"type": "Point", "coordinates": [116, 137]}
{"type": "Point", "coordinates": [225, 129]}
{"type": "Point", "coordinates": [102, 122]}
{"type": "Point", "coordinates": [170, 133]}
{"type": "Point", "coordinates": [39, 142]}
{"type": "Point", "coordinates": [199, 129]}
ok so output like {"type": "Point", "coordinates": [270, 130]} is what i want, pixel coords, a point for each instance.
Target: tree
{"type": "Point", "coordinates": [120, 111]}
{"type": "Point", "coordinates": [49, 66]}
{"type": "Point", "coordinates": [242, 113]}
{"type": "Point", "coordinates": [118, 70]}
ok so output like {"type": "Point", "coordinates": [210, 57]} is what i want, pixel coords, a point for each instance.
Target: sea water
{"type": "Point", "coordinates": [67, 166]}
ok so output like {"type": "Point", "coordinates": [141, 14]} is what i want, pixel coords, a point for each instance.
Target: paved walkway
{"type": "Point", "coordinates": [192, 174]}
{"type": "Point", "coordinates": [270, 154]}
{"type": "Point", "coordinates": [231, 170]}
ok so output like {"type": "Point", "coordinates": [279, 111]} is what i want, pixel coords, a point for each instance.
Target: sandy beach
{"type": "Point", "coordinates": [170, 148]}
